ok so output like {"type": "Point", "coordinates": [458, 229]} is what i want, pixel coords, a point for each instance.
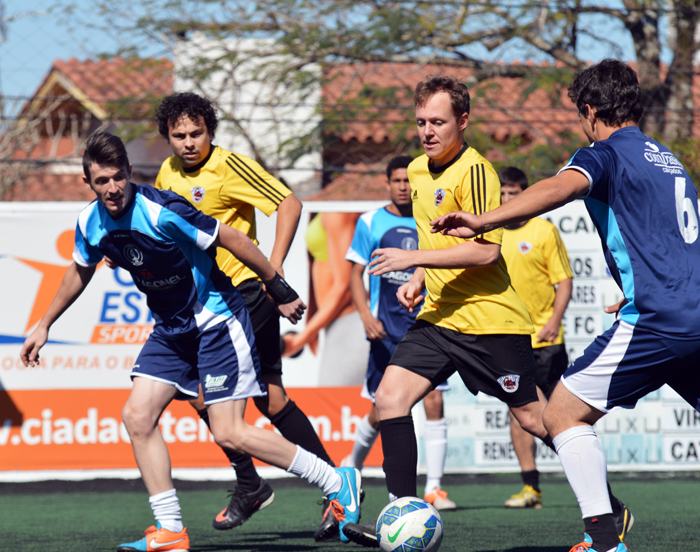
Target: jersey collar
{"type": "Point", "coordinates": [195, 168]}
{"type": "Point", "coordinates": [447, 165]}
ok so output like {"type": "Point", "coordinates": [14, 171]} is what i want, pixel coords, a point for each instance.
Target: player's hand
{"type": "Point", "coordinates": [374, 328]}
{"type": "Point", "coordinates": [109, 262]}
{"type": "Point", "coordinates": [30, 350]}
{"type": "Point", "coordinates": [549, 332]}
{"type": "Point", "coordinates": [292, 311]}
{"type": "Point", "coordinates": [615, 309]}
{"type": "Point", "coordinates": [389, 260]}
{"type": "Point", "coordinates": [458, 224]}
{"type": "Point", "coordinates": [409, 295]}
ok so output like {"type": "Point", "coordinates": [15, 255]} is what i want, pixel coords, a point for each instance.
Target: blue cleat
{"type": "Point", "coordinates": [345, 504]}
{"type": "Point", "coordinates": [158, 539]}
{"type": "Point", "coordinates": [586, 546]}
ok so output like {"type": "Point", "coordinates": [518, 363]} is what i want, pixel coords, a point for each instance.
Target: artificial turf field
{"type": "Point", "coordinates": [98, 515]}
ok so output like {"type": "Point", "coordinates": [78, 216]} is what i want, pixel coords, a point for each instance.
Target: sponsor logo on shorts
{"type": "Point", "coordinates": [133, 254]}
{"type": "Point", "coordinates": [524, 247]}
{"type": "Point", "coordinates": [197, 194]}
{"type": "Point", "coordinates": [509, 383]}
{"type": "Point", "coordinates": [214, 382]}
{"type": "Point", "coordinates": [439, 196]}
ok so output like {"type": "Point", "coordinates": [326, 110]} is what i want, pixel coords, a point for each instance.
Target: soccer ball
{"type": "Point", "coordinates": [409, 524]}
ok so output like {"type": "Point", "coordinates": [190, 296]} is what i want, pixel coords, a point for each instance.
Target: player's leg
{"type": "Point", "coordinates": [160, 367]}
{"type": "Point", "coordinates": [368, 429]}
{"type": "Point", "coordinates": [435, 441]}
{"type": "Point", "coordinates": [340, 485]}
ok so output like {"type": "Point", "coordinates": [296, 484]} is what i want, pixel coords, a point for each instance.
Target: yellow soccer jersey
{"type": "Point", "coordinates": [537, 259]}
{"type": "Point", "coordinates": [226, 186]}
{"type": "Point", "coordinates": [476, 300]}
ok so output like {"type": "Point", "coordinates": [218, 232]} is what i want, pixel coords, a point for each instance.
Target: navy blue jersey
{"type": "Point", "coordinates": [165, 244]}
{"type": "Point", "coordinates": [379, 229]}
{"type": "Point", "coordinates": [644, 206]}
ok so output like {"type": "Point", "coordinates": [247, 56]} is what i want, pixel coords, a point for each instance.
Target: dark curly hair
{"type": "Point", "coordinates": [612, 88]}
{"type": "Point", "coordinates": [185, 104]}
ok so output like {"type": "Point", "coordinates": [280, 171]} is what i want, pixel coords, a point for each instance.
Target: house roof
{"type": "Point", "coordinates": [106, 86]}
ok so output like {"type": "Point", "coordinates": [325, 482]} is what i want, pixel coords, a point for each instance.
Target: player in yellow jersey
{"type": "Point", "coordinates": [229, 186]}
{"type": "Point", "coordinates": [472, 321]}
{"type": "Point", "coordinates": [540, 272]}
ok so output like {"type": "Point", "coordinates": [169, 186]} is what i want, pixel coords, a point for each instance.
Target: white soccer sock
{"type": "Point", "coordinates": [316, 471]}
{"type": "Point", "coordinates": [364, 439]}
{"type": "Point", "coordinates": [166, 509]}
{"type": "Point", "coordinates": [435, 441]}
{"type": "Point", "coordinates": [581, 455]}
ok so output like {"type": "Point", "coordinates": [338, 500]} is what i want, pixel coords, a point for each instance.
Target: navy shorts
{"type": "Point", "coordinates": [500, 365]}
{"type": "Point", "coordinates": [627, 362]}
{"type": "Point", "coordinates": [223, 358]}
{"type": "Point", "coordinates": [380, 353]}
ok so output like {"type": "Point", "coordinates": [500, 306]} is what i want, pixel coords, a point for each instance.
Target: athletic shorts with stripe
{"type": "Point", "coordinates": [552, 361]}
{"type": "Point", "coordinates": [500, 365]}
{"type": "Point", "coordinates": [223, 358]}
{"type": "Point", "coordinates": [266, 325]}
{"type": "Point", "coordinates": [380, 353]}
{"type": "Point", "coordinates": [627, 362]}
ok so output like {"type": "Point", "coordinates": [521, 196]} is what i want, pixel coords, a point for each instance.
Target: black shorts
{"type": "Point", "coordinates": [265, 320]}
{"type": "Point", "coordinates": [552, 362]}
{"type": "Point", "coordinates": [500, 365]}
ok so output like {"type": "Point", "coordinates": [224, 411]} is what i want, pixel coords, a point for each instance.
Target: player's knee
{"type": "Point", "coordinates": [389, 403]}
{"type": "Point", "coordinates": [531, 422]}
{"type": "Point", "coordinates": [137, 421]}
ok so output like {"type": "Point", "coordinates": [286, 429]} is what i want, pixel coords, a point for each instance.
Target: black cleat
{"type": "Point", "coordinates": [329, 523]}
{"type": "Point", "coordinates": [364, 534]}
{"type": "Point", "coordinates": [624, 522]}
{"type": "Point", "coordinates": [244, 505]}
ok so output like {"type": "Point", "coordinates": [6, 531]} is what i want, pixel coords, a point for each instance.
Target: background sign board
{"type": "Point", "coordinates": [66, 413]}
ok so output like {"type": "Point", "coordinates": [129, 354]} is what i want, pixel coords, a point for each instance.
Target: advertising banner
{"type": "Point", "coordinates": [66, 413]}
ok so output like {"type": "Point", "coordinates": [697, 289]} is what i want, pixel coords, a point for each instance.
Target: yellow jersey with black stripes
{"type": "Point", "coordinates": [537, 260]}
{"type": "Point", "coordinates": [478, 300]}
{"type": "Point", "coordinates": [227, 186]}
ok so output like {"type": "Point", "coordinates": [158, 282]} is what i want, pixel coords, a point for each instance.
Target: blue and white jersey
{"type": "Point", "coordinates": [644, 206]}
{"type": "Point", "coordinates": [165, 244]}
{"type": "Point", "coordinates": [378, 229]}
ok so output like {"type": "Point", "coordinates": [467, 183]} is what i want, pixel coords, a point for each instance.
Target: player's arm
{"type": "Point", "coordinates": [288, 213]}
{"type": "Point", "coordinates": [236, 242]}
{"type": "Point", "coordinates": [550, 331]}
{"type": "Point", "coordinates": [468, 254]}
{"type": "Point", "coordinates": [74, 282]}
{"type": "Point", "coordinates": [539, 198]}
{"type": "Point", "coordinates": [373, 327]}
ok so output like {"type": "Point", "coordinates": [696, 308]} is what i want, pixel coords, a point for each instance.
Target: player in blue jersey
{"type": "Point", "coordinates": [386, 322]}
{"type": "Point", "coordinates": [202, 332]}
{"type": "Point", "coordinates": [644, 206]}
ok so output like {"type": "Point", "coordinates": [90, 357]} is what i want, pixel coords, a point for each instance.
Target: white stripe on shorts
{"type": "Point", "coordinates": [592, 383]}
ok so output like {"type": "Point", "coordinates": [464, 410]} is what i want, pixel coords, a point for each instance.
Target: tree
{"type": "Point", "coordinates": [476, 34]}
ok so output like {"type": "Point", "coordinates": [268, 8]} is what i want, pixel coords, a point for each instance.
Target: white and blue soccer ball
{"type": "Point", "coordinates": [409, 524]}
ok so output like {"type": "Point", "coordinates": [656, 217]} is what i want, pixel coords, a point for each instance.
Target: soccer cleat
{"type": "Point", "coordinates": [586, 546]}
{"type": "Point", "coordinates": [244, 505]}
{"type": "Point", "coordinates": [329, 524]}
{"type": "Point", "coordinates": [364, 534]}
{"type": "Point", "coordinates": [438, 498]}
{"type": "Point", "coordinates": [624, 522]}
{"type": "Point", "coordinates": [347, 462]}
{"type": "Point", "coordinates": [345, 504]}
{"type": "Point", "coordinates": [528, 497]}
{"type": "Point", "coordinates": [157, 538]}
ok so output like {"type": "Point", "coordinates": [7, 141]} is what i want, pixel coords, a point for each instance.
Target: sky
{"type": "Point", "coordinates": [34, 42]}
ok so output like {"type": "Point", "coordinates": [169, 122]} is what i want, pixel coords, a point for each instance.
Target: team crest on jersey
{"type": "Point", "coordinates": [133, 254]}
{"type": "Point", "coordinates": [439, 196]}
{"type": "Point", "coordinates": [524, 247]}
{"type": "Point", "coordinates": [509, 383]}
{"type": "Point", "coordinates": [409, 244]}
{"type": "Point", "coordinates": [197, 194]}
